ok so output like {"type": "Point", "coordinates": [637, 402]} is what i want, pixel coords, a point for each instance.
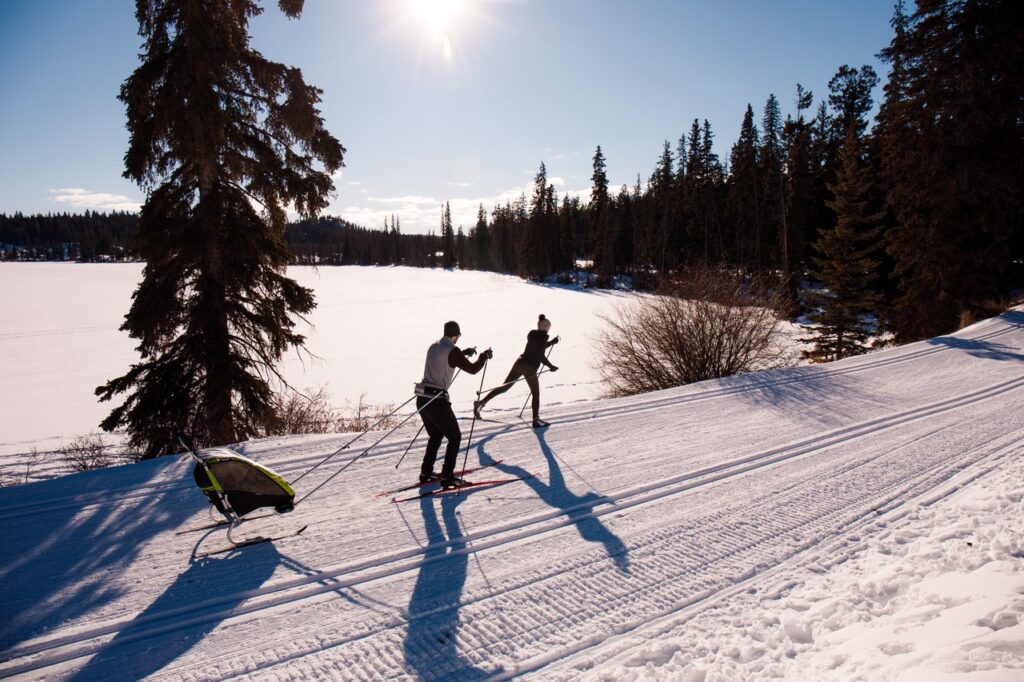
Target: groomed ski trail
{"type": "Point", "coordinates": [710, 494]}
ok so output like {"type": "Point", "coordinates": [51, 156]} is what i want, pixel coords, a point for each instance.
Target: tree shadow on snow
{"type": "Point", "coordinates": [64, 538]}
{"type": "Point", "coordinates": [430, 646]}
{"type": "Point", "coordinates": [804, 394]}
{"type": "Point", "coordinates": [579, 509]}
{"type": "Point", "coordinates": [152, 640]}
{"type": "Point", "coordinates": [981, 349]}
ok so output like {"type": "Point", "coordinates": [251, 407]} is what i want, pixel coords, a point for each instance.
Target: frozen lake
{"type": "Point", "coordinates": [59, 338]}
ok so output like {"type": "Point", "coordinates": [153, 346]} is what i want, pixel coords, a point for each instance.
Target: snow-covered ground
{"type": "Point", "coordinates": [859, 520]}
{"type": "Point", "coordinates": [59, 337]}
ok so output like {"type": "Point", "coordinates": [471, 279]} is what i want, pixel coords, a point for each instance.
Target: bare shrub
{"type": "Point", "coordinates": [293, 412]}
{"type": "Point", "coordinates": [363, 415]}
{"type": "Point", "coordinates": [32, 460]}
{"type": "Point", "coordinates": [705, 325]}
{"type": "Point", "coordinates": [86, 453]}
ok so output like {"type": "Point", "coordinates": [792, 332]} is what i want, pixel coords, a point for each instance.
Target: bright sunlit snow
{"type": "Point", "coordinates": [60, 340]}
{"type": "Point", "coordinates": [852, 521]}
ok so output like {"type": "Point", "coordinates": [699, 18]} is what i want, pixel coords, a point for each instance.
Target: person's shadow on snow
{"type": "Point", "coordinates": [223, 582]}
{"type": "Point", "coordinates": [430, 645]}
{"type": "Point", "coordinates": [578, 508]}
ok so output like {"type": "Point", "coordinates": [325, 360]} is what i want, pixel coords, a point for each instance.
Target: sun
{"type": "Point", "coordinates": [438, 17]}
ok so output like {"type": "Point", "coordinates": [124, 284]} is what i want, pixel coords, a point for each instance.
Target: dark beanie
{"type": "Point", "coordinates": [452, 329]}
{"type": "Point", "coordinates": [543, 323]}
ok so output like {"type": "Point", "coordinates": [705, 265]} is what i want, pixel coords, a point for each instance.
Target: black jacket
{"type": "Point", "coordinates": [536, 343]}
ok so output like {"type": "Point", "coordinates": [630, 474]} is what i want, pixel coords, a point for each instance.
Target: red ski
{"type": "Point", "coordinates": [435, 480]}
{"type": "Point", "coordinates": [466, 486]}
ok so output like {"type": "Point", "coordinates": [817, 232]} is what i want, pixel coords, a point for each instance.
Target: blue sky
{"type": "Point", "coordinates": [462, 109]}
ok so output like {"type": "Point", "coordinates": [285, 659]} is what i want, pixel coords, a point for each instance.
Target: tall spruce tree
{"type": "Point", "coordinates": [600, 221]}
{"type": "Point", "coordinates": [846, 266]}
{"type": "Point", "coordinates": [952, 143]}
{"type": "Point", "coordinates": [447, 238]}
{"type": "Point", "coordinates": [800, 194]}
{"type": "Point", "coordinates": [772, 180]}
{"type": "Point", "coordinates": [216, 130]}
{"type": "Point", "coordinates": [742, 208]}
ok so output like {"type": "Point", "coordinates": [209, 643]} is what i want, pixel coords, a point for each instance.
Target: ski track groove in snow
{"type": "Point", "coordinates": [297, 464]}
{"type": "Point", "coordinates": [689, 538]}
{"type": "Point", "coordinates": [734, 541]}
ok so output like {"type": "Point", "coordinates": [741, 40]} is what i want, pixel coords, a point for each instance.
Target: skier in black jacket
{"type": "Point", "coordinates": [434, 405]}
{"type": "Point", "coordinates": [526, 367]}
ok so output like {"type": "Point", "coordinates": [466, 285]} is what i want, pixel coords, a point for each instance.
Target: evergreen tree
{"type": "Point", "coordinates": [537, 233]}
{"type": "Point", "coordinates": [460, 248]}
{"type": "Point", "coordinates": [952, 140]}
{"type": "Point", "coordinates": [770, 167]}
{"type": "Point", "coordinates": [481, 238]}
{"type": "Point", "coordinates": [846, 266]}
{"type": "Point", "coordinates": [447, 238]}
{"type": "Point", "coordinates": [708, 182]}
{"type": "Point", "coordinates": [800, 195]}
{"type": "Point", "coordinates": [742, 209]}
{"type": "Point", "coordinates": [601, 227]}
{"type": "Point", "coordinates": [661, 211]}
{"type": "Point", "coordinates": [214, 128]}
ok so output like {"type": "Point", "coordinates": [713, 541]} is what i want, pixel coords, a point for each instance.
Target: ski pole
{"type": "Point", "coordinates": [544, 369]}
{"type": "Point", "coordinates": [345, 446]}
{"type": "Point", "coordinates": [411, 443]}
{"type": "Point", "coordinates": [507, 383]}
{"type": "Point", "coordinates": [361, 454]}
{"type": "Point", "coordinates": [472, 425]}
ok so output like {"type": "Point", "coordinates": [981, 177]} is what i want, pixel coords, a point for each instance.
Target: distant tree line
{"type": "Point", "coordinates": [916, 224]}
{"type": "Point", "coordinates": [92, 236]}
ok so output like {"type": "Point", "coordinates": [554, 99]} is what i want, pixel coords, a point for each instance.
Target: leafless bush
{"type": "Point", "coordinates": [293, 412]}
{"type": "Point", "coordinates": [363, 415]}
{"type": "Point", "coordinates": [32, 460]}
{"type": "Point", "coordinates": [86, 453]}
{"type": "Point", "coordinates": [706, 325]}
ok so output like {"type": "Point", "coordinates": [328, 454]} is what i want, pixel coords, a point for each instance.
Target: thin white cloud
{"type": "Point", "coordinates": [354, 183]}
{"type": "Point", "coordinates": [459, 184]}
{"type": "Point", "coordinates": [410, 199]}
{"type": "Point", "coordinates": [79, 198]}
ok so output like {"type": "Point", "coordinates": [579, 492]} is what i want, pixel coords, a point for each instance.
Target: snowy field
{"type": "Point", "coordinates": [59, 338]}
{"type": "Point", "coordinates": [853, 521]}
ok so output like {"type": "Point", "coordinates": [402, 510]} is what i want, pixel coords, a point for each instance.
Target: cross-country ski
{"type": "Point", "coordinates": [466, 486]}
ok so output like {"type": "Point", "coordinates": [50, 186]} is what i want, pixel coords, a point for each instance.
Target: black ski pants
{"type": "Point", "coordinates": [521, 369]}
{"type": "Point", "coordinates": [440, 423]}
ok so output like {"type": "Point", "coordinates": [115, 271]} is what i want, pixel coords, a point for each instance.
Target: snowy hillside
{"type": "Point", "coordinates": [859, 520]}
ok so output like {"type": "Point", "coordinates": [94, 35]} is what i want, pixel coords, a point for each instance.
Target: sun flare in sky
{"type": "Point", "coordinates": [438, 17]}
{"type": "Point", "coordinates": [440, 23]}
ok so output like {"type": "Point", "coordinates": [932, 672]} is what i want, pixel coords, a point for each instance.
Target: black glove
{"type": "Point", "coordinates": [487, 354]}
{"type": "Point", "coordinates": [553, 368]}
{"type": "Point", "coordinates": [555, 340]}
{"type": "Point", "coordinates": [469, 352]}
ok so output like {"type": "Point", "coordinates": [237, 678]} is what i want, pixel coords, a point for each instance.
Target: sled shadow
{"type": "Point", "coordinates": [232, 576]}
{"type": "Point", "coordinates": [579, 509]}
{"type": "Point", "coordinates": [57, 548]}
{"type": "Point", "coordinates": [430, 646]}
